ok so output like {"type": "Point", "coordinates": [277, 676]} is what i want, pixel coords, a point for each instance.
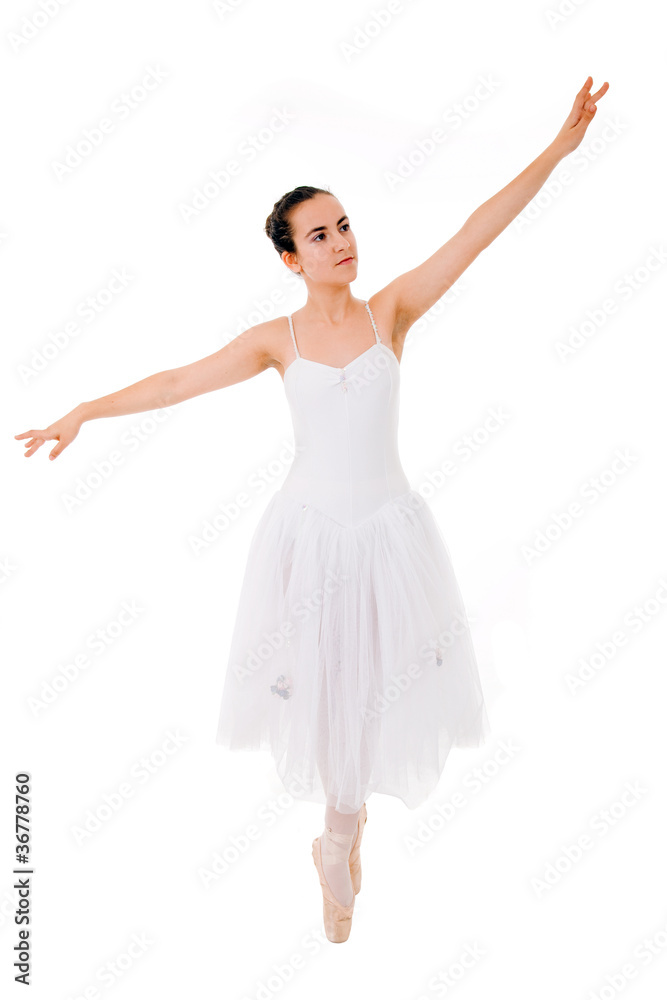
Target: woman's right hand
{"type": "Point", "coordinates": [63, 430]}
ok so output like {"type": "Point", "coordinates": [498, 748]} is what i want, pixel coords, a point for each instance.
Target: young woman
{"type": "Point", "coordinates": [351, 658]}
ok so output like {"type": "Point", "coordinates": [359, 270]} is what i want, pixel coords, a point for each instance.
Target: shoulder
{"type": "Point", "coordinates": [272, 340]}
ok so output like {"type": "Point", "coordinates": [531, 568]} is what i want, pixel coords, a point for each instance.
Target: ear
{"type": "Point", "coordinates": [289, 260]}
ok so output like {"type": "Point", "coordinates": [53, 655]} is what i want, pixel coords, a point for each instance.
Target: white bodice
{"type": "Point", "coordinates": [345, 424]}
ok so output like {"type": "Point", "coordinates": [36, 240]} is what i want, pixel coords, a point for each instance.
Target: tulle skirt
{"type": "Point", "coordinates": [351, 659]}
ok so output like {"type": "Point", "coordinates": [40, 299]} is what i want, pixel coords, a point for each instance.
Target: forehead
{"type": "Point", "coordinates": [320, 210]}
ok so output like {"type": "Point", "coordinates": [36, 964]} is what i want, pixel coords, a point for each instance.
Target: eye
{"type": "Point", "coordinates": [346, 225]}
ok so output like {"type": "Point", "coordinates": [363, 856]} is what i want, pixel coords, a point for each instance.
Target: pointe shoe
{"type": "Point", "coordinates": [337, 918]}
{"type": "Point", "coordinates": [355, 860]}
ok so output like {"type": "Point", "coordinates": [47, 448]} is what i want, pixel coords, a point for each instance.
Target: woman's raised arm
{"type": "Point", "coordinates": [240, 359]}
{"type": "Point", "coordinates": [413, 293]}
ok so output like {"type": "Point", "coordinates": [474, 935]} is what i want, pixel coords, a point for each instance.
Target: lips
{"type": "Point", "coordinates": [344, 260]}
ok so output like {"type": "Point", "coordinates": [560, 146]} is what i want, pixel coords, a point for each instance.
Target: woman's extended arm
{"type": "Point", "coordinates": [238, 360]}
{"type": "Point", "coordinates": [418, 289]}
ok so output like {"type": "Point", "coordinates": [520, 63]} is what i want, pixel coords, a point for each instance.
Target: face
{"type": "Point", "coordinates": [323, 239]}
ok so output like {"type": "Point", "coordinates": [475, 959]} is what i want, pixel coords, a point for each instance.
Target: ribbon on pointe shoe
{"type": "Point", "coordinates": [336, 847]}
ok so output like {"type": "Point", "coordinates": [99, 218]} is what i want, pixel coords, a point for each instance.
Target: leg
{"type": "Point", "coordinates": [340, 829]}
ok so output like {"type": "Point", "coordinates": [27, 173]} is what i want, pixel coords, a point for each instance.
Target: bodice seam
{"type": "Point", "coordinates": [321, 364]}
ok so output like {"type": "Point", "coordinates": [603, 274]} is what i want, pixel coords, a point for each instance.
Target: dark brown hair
{"type": "Point", "coordinates": [278, 227]}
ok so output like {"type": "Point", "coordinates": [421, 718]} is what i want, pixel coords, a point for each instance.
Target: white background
{"type": "Point", "coordinates": [481, 883]}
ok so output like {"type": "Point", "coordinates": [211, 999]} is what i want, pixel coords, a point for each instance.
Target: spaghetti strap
{"type": "Point", "coordinates": [291, 330]}
{"type": "Point", "coordinates": [377, 335]}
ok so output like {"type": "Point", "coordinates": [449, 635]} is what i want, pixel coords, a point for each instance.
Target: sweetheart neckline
{"type": "Point", "coordinates": [335, 368]}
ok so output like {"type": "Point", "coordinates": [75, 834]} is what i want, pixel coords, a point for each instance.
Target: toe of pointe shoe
{"type": "Point", "coordinates": [355, 853]}
{"type": "Point", "coordinates": [337, 918]}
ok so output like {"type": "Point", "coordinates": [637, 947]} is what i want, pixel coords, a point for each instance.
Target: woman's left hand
{"type": "Point", "coordinates": [580, 117]}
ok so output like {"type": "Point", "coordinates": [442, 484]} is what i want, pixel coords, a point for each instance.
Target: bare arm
{"type": "Point", "coordinates": [417, 290]}
{"type": "Point", "coordinates": [242, 358]}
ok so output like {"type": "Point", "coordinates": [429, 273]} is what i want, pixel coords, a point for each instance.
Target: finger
{"type": "Point", "coordinates": [581, 96]}
{"type": "Point", "coordinates": [581, 101]}
{"type": "Point", "coordinates": [603, 90]}
{"type": "Point", "coordinates": [590, 102]}
{"type": "Point", "coordinates": [26, 434]}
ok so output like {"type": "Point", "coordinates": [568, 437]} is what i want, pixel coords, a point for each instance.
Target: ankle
{"type": "Point", "coordinates": [336, 847]}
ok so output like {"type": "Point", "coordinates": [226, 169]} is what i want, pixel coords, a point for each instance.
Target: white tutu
{"type": "Point", "coordinates": [351, 659]}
